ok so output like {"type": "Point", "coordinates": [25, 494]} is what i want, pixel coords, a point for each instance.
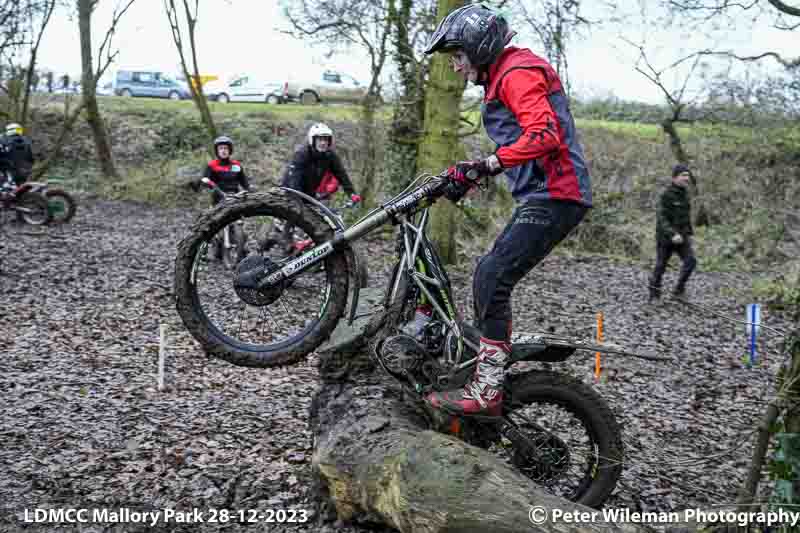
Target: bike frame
{"type": "Point", "coordinates": [418, 258]}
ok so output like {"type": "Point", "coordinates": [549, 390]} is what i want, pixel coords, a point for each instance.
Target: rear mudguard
{"type": "Point", "coordinates": [352, 257]}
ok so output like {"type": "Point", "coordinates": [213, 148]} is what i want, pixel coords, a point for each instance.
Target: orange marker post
{"type": "Point", "coordinates": [599, 339]}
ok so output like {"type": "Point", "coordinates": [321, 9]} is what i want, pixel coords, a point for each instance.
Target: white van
{"type": "Point", "coordinates": [246, 88]}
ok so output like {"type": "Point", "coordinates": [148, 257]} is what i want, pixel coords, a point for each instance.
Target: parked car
{"type": "Point", "coordinates": [106, 89]}
{"type": "Point", "coordinates": [148, 83]}
{"type": "Point", "coordinates": [328, 86]}
{"type": "Point", "coordinates": [246, 89]}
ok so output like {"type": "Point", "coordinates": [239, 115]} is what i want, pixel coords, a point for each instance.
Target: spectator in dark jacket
{"type": "Point", "coordinates": [316, 167]}
{"type": "Point", "coordinates": [316, 170]}
{"type": "Point", "coordinates": [673, 233]}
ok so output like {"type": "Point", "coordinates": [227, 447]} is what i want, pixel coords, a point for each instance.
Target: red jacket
{"type": "Point", "coordinates": [526, 113]}
{"type": "Point", "coordinates": [228, 174]}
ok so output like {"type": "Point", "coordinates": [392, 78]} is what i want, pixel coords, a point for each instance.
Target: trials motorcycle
{"type": "Point", "coordinates": [276, 309]}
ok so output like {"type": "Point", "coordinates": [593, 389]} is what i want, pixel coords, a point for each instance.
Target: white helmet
{"type": "Point", "coordinates": [14, 129]}
{"type": "Point", "coordinates": [319, 130]}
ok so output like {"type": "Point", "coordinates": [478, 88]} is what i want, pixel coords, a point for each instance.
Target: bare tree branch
{"type": "Point", "coordinates": [788, 63]}
{"type": "Point", "coordinates": [105, 46]}
{"type": "Point", "coordinates": [193, 80]}
{"type": "Point", "coordinates": [785, 8]}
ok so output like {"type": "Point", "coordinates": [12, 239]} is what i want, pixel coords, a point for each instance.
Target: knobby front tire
{"type": "Point", "coordinates": [273, 203]}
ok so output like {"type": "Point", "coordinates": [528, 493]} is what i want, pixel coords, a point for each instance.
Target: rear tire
{"type": "Point", "coordinates": [70, 206]}
{"type": "Point", "coordinates": [223, 98]}
{"type": "Point", "coordinates": [591, 409]}
{"type": "Point", "coordinates": [272, 203]}
{"type": "Point", "coordinates": [39, 213]}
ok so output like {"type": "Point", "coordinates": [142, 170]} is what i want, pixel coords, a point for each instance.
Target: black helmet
{"type": "Point", "coordinates": [481, 32]}
{"type": "Point", "coordinates": [223, 139]}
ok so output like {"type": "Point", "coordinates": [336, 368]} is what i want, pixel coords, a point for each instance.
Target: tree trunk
{"type": "Point", "coordinates": [441, 146]}
{"type": "Point", "coordinates": [376, 460]}
{"type": "Point", "coordinates": [675, 144]}
{"type": "Point", "coordinates": [32, 78]}
{"type": "Point", "coordinates": [26, 97]}
{"type": "Point", "coordinates": [409, 110]}
{"type": "Point", "coordinates": [196, 90]}
{"type": "Point", "coordinates": [88, 87]}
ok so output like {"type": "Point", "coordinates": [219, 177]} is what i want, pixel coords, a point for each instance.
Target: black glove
{"type": "Point", "coordinates": [476, 169]}
{"type": "Point", "coordinates": [455, 190]}
{"type": "Point", "coordinates": [194, 185]}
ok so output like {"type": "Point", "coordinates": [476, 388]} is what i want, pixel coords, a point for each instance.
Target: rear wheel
{"type": "Point", "coordinates": [32, 209]}
{"type": "Point", "coordinates": [273, 99]}
{"type": "Point", "coordinates": [568, 440]}
{"type": "Point", "coordinates": [174, 95]}
{"type": "Point", "coordinates": [61, 204]}
{"type": "Point", "coordinates": [255, 327]}
{"type": "Point", "coordinates": [126, 93]}
{"type": "Point", "coordinates": [223, 98]}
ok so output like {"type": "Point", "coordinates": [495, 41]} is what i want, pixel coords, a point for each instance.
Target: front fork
{"type": "Point", "coordinates": [340, 242]}
{"type": "Point", "coordinates": [226, 235]}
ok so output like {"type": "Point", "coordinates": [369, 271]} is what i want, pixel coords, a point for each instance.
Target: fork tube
{"type": "Point", "coordinates": [226, 234]}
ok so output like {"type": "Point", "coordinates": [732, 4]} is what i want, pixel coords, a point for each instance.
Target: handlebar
{"type": "Point", "coordinates": [215, 188]}
{"type": "Point", "coordinates": [211, 185]}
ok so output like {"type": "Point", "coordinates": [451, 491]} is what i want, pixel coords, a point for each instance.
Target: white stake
{"type": "Point", "coordinates": [162, 352]}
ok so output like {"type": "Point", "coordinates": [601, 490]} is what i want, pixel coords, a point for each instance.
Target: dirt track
{"type": "Point", "coordinates": [83, 425]}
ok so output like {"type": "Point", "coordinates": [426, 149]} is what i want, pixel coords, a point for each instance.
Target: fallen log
{"type": "Point", "coordinates": [377, 460]}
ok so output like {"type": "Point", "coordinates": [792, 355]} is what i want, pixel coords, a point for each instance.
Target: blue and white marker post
{"type": "Point", "coordinates": [753, 323]}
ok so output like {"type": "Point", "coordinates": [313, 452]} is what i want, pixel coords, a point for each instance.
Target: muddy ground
{"type": "Point", "coordinates": [82, 423]}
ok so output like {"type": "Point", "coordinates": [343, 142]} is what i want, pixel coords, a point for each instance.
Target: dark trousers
{"type": "Point", "coordinates": [664, 251]}
{"type": "Point", "coordinates": [535, 228]}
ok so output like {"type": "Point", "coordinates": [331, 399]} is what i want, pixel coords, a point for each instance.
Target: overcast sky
{"type": "Point", "coordinates": [241, 37]}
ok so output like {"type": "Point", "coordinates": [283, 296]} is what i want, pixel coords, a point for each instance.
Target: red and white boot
{"type": "Point", "coordinates": [483, 395]}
